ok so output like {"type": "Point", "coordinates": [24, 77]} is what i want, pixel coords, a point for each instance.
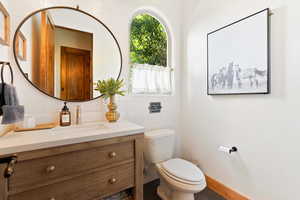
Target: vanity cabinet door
{"type": "Point", "coordinates": [91, 186]}
{"type": "Point", "coordinates": [38, 172]}
{"type": "Point", "coordinates": [3, 182]}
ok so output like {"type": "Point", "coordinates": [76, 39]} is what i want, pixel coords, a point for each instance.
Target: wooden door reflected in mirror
{"type": "Point", "coordinates": [43, 74]}
{"type": "Point", "coordinates": [76, 74]}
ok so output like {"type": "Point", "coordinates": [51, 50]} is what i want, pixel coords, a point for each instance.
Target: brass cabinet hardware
{"type": "Point", "coordinates": [10, 168]}
{"type": "Point", "coordinates": [112, 154]}
{"type": "Point", "coordinates": [112, 180]}
{"type": "Point", "coordinates": [52, 198]}
{"type": "Point", "coordinates": [50, 169]}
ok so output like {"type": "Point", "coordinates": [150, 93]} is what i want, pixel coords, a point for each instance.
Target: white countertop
{"type": "Point", "coordinates": [59, 136]}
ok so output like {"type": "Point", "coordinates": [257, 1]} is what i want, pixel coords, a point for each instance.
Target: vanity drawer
{"type": "Point", "coordinates": [88, 187]}
{"type": "Point", "coordinates": [39, 172]}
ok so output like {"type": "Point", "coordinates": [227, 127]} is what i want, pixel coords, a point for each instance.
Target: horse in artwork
{"type": "Point", "coordinates": [254, 75]}
{"type": "Point", "coordinates": [233, 76]}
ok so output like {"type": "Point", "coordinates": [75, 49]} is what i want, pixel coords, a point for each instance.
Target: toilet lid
{"type": "Point", "coordinates": [183, 169]}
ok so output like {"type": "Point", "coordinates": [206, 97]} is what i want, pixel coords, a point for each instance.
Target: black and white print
{"type": "Point", "coordinates": [238, 54]}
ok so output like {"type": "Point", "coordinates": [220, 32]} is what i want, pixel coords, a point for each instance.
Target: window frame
{"type": "Point", "coordinates": [169, 52]}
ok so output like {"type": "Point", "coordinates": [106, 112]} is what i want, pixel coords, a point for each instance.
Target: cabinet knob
{"type": "Point", "coordinates": [112, 180]}
{"type": "Point", "coordinates": [51, 169]}
{"type": "Point", "coordinates": [52, 198]}
{"type": "Point", "coordinates": [10, 168]}
{"type": "Point", "coordinates": [112, 154]}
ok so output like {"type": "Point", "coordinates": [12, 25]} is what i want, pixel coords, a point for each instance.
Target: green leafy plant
{"type": "Point", "coordinates": [110, 87]}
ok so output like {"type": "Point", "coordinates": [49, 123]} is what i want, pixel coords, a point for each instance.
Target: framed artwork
{"type": "Point", "coordinates": [4, 26]}
{"type": "Point", "coordinates": [238, 57]}
{"type": "Point", "coordinates": [21, 46]}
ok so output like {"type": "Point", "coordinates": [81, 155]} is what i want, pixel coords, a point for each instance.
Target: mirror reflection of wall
{"type": "Point", "coordinates": [21, 48]}
{"type": "Point", "coordinates": [2, 26]}
{"type": "Point", "coordinates": [68, 52]}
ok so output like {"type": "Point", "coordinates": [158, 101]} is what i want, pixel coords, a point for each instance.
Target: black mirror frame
{"type": "Point", "coordinates": [61, 7]}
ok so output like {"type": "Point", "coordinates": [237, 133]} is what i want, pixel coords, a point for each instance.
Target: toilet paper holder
{"type": "Point", "coordinates": [228, 150]}
{"type": "Point", "coordinates": [233, 149]}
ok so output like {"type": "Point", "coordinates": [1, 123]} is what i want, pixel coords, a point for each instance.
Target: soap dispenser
{"type": "Point", "coordinates": [65, 116]}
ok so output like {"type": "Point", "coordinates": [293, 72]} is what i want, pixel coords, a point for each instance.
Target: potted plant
{"type": "Point", "coordinates": [109, 89]}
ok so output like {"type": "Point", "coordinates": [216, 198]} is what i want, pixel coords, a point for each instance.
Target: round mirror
{"type": "Point", "coordinates": [63, 52]}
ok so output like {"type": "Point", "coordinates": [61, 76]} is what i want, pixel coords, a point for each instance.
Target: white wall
{"type": "Point", "coordinates": [264, 127]}
{"type": "Point", "coordinates": [117, 15]}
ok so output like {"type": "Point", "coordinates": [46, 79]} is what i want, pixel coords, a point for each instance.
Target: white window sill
{"type": "Point", "coordinates": [150, 95]}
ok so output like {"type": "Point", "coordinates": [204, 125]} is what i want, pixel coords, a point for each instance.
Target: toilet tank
{"type": "Point", "coordinates": [159, 145]}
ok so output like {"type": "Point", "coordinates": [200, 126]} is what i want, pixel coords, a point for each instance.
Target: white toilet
{"type": "Point", "coordinates": [179, 179]}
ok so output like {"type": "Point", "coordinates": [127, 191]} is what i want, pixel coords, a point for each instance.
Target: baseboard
{"type": "Point", "coordinates": [223, 190]}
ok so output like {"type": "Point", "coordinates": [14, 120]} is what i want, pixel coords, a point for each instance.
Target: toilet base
{"type": "Point", "coordinates": [182, 196]}
{"type": "Point", "coordinates": [162, 194]}
{"type": "Point", "coordinates": [165, 193]}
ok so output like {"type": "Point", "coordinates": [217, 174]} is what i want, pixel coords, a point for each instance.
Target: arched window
{"type": "Point", "coordinates": [150, 72]}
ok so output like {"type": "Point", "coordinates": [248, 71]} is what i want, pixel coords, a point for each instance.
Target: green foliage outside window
{"type": "Point", "coordinates": [148, 41]}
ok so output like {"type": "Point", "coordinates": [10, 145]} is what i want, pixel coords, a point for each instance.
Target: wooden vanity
{"type": "Point", "coordinates": [87, 170]}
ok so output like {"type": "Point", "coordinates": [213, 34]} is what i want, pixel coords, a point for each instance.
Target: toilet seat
{"type": "Point", "coordinates": [180, 185]}
{"type": "Point", "coordinates": [182, 171]}
{"type": "Point", "coordinates": [176, 179]}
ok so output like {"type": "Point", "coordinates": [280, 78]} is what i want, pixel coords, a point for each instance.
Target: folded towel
{"type": "Point", "coordinates": [10, 108]}
{"type": "Point", "coordinates": [10, 95]}
{"type": "Point", "coordinates": [12, 114]}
